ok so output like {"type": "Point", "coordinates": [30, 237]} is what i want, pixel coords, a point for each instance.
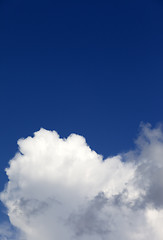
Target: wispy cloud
{"type": "Point", "coordinates": [61, 189]}
{"type": "Point", "coordinates": [8, 232]}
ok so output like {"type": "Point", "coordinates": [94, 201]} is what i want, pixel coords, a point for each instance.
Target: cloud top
{"type": "Point", "coordinates": [61, 189]}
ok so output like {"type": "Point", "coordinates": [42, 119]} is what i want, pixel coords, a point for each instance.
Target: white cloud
{"type": "Point", "coordinates": [61, 189]}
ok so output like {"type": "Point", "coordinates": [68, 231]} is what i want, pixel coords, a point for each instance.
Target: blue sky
{"type": "Point", "coordinates": [89, 67]}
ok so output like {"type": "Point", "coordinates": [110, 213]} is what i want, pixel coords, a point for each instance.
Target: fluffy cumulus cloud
{"type": "Point", "coordinates": [61, 189]}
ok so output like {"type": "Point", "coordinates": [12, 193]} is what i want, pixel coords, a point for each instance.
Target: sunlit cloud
{"type": "Point", "coordinates": [61, 189]}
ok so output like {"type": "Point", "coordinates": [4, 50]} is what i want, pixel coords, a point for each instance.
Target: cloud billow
{"type": "Point", "coordinates": [61, 189]}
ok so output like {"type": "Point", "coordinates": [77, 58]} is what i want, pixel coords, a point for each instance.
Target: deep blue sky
{"type": "Point", "coordinates": [90, 67]}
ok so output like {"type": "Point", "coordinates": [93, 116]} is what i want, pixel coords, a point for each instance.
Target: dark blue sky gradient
{"type": "Point", "coordinates": [90, 67]}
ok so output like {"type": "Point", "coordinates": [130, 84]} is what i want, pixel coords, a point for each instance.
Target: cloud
{"type": "Point", "coordinates": [8, 232]}
{"type": "Point", "coordinates": [61, 189]}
